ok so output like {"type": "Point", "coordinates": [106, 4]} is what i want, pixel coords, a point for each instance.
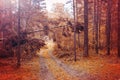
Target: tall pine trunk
{"type": "Point", "coordinates": [118, 28]}
{"type": "Point", "coordinates": [79, 40]}
{"type": "Point", "coordinates": [74, 8]}
{"type": "Point", "coordinates": [86, 28]}
{"type": "Point", "coordinates": [18, 32]}
{"type": "Point", "coordinates": [93, 33]}
{"type": "Point", "coordinates": [96, 24]}
{"type": "Point", "coordinates": [108, 26]}
{"type": "Point", "coordinates": [77, 21]}
{"type": "Point", "coordinates": [99, 22]}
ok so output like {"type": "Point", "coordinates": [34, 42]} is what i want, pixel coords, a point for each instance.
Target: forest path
{"type": "Point", "coordinates": [54, 69]}
{"type": "Point", "coordinates": [44, 71]}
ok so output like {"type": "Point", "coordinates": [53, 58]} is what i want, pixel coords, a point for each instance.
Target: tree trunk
{"type": "Point", "coordinates": [77, 21]}
{"type": "Point", "coordinates": [86, 28]}
{"type": "Point", "coordinates": [3, 35]}
{"type": "Point", "coordinates": [18, 31]}
{"type": "Point", "coordinates": [99, 22]}
{"type": "Point", "coordinates": [118, 28]}
{"type": "Point", "coordinates": [96, 24]}
{"type": "Point", "coordinates": [108, 26]}
{"type": "Point", "coordinates": [74, 29]}
{"type": "Point", "coordinates": [93, 33]}
{"type": "Point", "coordinates": [79, 40]}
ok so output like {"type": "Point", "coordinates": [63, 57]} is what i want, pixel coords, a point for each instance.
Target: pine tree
{"type": "Point", "coordinates": [96, 24]}
{"type": "Point", "coordinates": [119, 28]}
{"type": "Point", "coordinates": [86, 28]}
{"type": "Point", "coordinates": [108, 26]}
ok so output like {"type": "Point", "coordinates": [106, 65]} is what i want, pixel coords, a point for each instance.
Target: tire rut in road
{"type": "Point", "coordinates": [81, 74]}
{"type": "Point", "coordinates": [44, 71]}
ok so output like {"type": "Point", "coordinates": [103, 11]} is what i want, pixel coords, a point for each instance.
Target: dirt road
{"type": "Point", "coordinates": [54, 69]}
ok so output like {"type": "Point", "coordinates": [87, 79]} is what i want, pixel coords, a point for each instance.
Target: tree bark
{"type": "Point", "coordinates": [108, 26]}
{"type": "Point", "coordinates": [79, 40]}
{"type": "Point", "coordinates": [93, 33]}
{"type": "Point", "coordinates": [18, 31]}
{"type": "Point", "coordinates": [77, 21]}
{"type": "Point", "coordinates": [74, 30]}
{"type": "Point", "coordinates": [99, 22]}
{"type": "Point", "coordinates": [96, 24]}
{"type": "Point", "coordinates": [86, 28]}
{"type": "Point", "coordinates": [118, 28]}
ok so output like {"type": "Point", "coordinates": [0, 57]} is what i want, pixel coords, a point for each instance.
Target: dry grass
{"type": "Point", "coordinates": [103, 67]}
{"type": "Point", "coordinates": [28, 71]}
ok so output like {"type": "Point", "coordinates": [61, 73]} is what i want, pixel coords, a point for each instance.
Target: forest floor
{"type": "Point", "coordinates": [45, 66]}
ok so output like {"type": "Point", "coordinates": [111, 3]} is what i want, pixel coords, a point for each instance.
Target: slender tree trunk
{"type": "Point", "coordinates": [3, 38]}
{"type": "Point", "coordinates": [74, 29]}
{"type": "Point", "coordinates": [86, 28]}
{"type": "Point", "coordinates": [108, 26]}
{"type": "Point", "coordinates": [93, 41]}
{"type": "Point", "coordinates": [118, 28]}
{"type": "Point", "coordinates": [99, 21]}
{"type": "Point", "coordinates": [100, 12]}
{"type": "Point", "coordinates": [79, 40]}
{"type": "Point", "coordinates": [18, 31]}
{"type": "Point", "coordinates": [77, 21]}
{"type": "Point", "coordinates": [96, 24]}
